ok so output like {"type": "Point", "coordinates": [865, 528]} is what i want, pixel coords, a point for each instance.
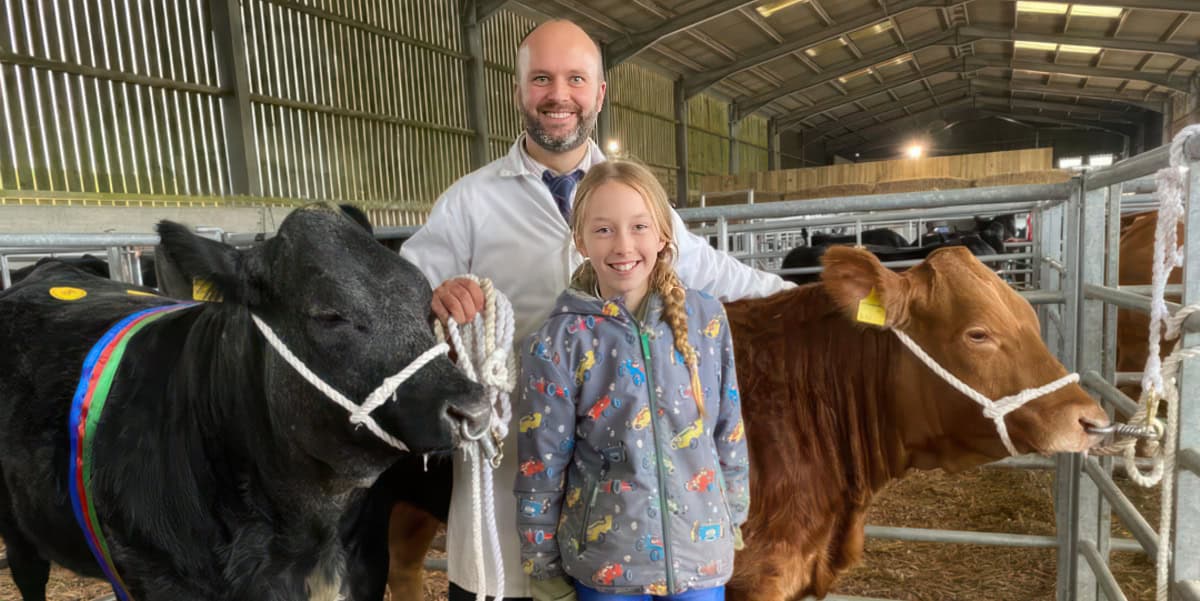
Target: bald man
{"type": "Point", "coordinates": [508, 222]}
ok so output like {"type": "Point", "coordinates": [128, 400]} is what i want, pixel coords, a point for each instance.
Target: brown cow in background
{"type": "Point", "coordinates": [1137, 268]}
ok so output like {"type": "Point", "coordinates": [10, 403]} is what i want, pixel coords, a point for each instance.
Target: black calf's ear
{"type": "Point", "coordinates": [863, 288]}
{"type": "Point", "coordinates": [219, 269]}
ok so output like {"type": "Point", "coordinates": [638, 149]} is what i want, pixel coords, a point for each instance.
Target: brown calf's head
{"type": "Point", "coordinates": [977, 328]}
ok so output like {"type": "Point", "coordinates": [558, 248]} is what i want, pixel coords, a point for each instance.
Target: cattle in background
{"type": "Point", "coordinates": [218, 472]}
{"type": "Point", "coordinates": [89, 264]}
{"type": "Point", "coordinates": [835, 409]}
{"type": "Point", "coordinates": [873, 237]}
{"type": "Point", "coordinates": [994, 231]}
{"type": "Point", "coordinates": [1136, 268]}
{"type": "Point", "coordinates": [810, 256]}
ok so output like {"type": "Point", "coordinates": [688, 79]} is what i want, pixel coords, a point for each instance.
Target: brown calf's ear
{"type": "Point", "coordinates": [850, 276]}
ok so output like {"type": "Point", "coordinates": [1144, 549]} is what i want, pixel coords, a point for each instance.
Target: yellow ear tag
{"type": "Point", "coordinates": [203, 290]}
{"type": "Point", "coordinates": [870, 310]}
{"type": "Point", "coordinates": [66, 293]}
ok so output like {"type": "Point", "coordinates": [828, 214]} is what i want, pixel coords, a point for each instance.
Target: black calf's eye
{"type": "Point", "coordinates": [329, 318]}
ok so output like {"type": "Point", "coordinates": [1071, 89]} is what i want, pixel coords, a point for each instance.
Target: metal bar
{"type": "Point", "coordinates": [1121, 505]}
{"type": "Point", "coordinates": [365, 27]}
{"type": "Point", "coordinates": [1098, 383]}
{"type": "Point", "coordinates": [73, 240]}
{"type": "Point", "coordinates": [1142, 185]}
{"type": "Point", "coordinates": [682, 174]}
{"type": "Point", "coordinates": [1049, 297]}
{"type": "Point", "coordinates": [475, 84]}
{"type": "Point", "coordinates": [1138, 302]}
{"type": "Point", "coordinates": [1133, 167]}
{"type": "Point", "coordinates": [882, 202]}
{"type": "Point", "coordinates": [1070, 504]}
{"type": "Point", "coordinates": [230, 40]}
{"type": "Point", "coordinates": [1189, 459]}
{"type": "Point", "coordinates": [1104, 578]}
{"type": "Point", "coordinates": [926, 535]}
{"type": "Point", "coordinates": [1185, 545]}
{"type": "Point", "coordinates": [875, 218]}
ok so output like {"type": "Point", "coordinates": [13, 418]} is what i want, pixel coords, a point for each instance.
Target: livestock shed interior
{"type": "Point", "coordinates": [768, 122]}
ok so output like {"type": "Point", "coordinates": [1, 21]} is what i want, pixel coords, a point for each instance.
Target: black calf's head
{"type": "Point", "coordinates": [354, 313]}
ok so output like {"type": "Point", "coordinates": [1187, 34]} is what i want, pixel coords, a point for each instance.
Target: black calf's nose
{"type": "Point", "coordinates": [472, 412]}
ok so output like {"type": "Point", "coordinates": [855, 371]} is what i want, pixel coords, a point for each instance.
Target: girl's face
{"type": "Point", "coordinates": [619, 237]}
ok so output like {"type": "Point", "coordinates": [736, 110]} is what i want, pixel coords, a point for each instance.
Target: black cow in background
{"type": "Point", "coordinates": [219, 473]}
{"type": "Point", "coordinates": [810, 256]}
{"type": "Point", "coordinates": [876, 237]}
{"type": "Point", "coordinates": [88, 264]}
{"type": "Point", "coordinates": [994, 231]}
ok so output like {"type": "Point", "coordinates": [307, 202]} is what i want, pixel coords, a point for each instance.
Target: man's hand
{"type": "Point", "coordinates": [459, 298]}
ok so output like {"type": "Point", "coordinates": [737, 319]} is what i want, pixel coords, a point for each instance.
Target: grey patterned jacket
{"type": "Point", "coordinates": [622, 484]}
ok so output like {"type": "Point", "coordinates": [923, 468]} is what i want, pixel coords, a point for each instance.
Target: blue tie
{"type": "Point", "coordinates": [561, 187]}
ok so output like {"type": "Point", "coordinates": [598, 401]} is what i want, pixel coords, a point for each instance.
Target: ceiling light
{"type": "Point", "coordinates": [1078, 49]}
{"type": "Point", "coordinates": [1047, 8]}
{"type": "Point", "coordinates": [900, 60]}
{"type": "Point", "coordinates": [877, 28]}
{"type": "Point", "coordinates": [1105, 12]}
{"type": "Point", "coordinates": [614, 146]}
{"type": "Point", "coordinates": [1035, 45]}
{"type": "Point", "coordinates": [826, 46]}
{"type": "Point", "coordinates": [849, 76]}
{"type": "Point", "coordinates": [771, 8]}
{"type": "Point", "coordinates": [915, 151]}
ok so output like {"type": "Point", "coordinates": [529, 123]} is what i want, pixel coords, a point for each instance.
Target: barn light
{"type": "Point", "coordinates": [1023, 45]}
{"type": "Point", "coordinates": [613, 146]}
{"type": "Point", "coordinates": [1078, 49]}
{"type": "Point", "coordinates": [771, 8]}
{"type": "Point", "coordinates": [915, 151]}
{"type": "Point", "coordinates": [1046, 8]}
{"type": "Point", "coordinates": [1104, 12]}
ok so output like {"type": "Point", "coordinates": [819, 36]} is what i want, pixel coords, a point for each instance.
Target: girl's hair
{"type": "Point", "coordinates": [663, 278]}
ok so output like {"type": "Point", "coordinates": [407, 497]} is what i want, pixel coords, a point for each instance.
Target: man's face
{"type": "Point", "coordinates": [560, 90]}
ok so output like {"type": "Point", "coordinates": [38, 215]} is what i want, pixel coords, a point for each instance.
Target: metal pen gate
{"type": "Point", "coordinates": [1073, 256]}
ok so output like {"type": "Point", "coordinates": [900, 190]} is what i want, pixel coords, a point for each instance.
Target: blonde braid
{"type": "Point", "coordinates": [666, 282]}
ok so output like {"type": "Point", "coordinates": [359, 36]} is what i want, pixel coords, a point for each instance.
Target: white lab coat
{"type": "Point", "coordinates": [500, 222]}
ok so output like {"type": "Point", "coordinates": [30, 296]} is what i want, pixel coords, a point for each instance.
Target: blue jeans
{"type": "Point", "coordinates": [716, 593]}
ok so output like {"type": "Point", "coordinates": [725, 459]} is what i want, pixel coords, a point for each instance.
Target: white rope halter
{"type": "Point", "coordinates": [994, 410]}
{"type": "Point", "coordinates": [360, 415]}
{"type": "Point", "coordinates": [1158, 379]}
{"type": "Point", "coordinates": [484, 350]}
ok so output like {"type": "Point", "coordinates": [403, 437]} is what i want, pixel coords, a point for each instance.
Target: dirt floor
{"type": "Point", "coordinates": [991, 500]}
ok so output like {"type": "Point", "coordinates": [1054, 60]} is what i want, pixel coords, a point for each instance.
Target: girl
{"type": "Point", "coordinates": [633, 474]}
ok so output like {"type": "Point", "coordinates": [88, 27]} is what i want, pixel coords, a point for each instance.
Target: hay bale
{"type": "Point", "coordinates": [921, 184]}
{"type": "Point", "coordinates": [835, 190]}
{"type": "Point", "coordinates": [1019, 178]}
{"type": "Point", "coordinates": [741, 198]}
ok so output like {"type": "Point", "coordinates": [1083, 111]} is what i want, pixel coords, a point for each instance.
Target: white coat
{"type": "Point", "coordinates": [500, 222]}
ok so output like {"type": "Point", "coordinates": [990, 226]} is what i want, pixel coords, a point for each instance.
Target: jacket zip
{"type": "Point", "coordinates": [662, 476]}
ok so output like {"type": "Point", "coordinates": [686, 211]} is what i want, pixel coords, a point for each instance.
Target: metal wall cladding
{"type": "Point", "coordinates": [351, 102]}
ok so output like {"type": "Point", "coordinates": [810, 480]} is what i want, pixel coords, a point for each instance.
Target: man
{"type": "Point", "coordinates": [508, 222]}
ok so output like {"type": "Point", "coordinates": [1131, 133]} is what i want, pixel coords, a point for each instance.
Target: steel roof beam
{"type": "Point", "coordinates": [749, 105]}
{"type": "Point", "coordinates": [1089, 93]}
{"type": "Point", "coordinates": [1190, 51]}
{"type": "Point", "coordinates": [1183, 6]}
{"type": "Point", "coordinates": [886, 86]}
{"type": "Point", "coordinates": [1075, 123]}
{"type": "Point", "coordinates": [1177, 83]}
{"type": "Point", "coordinates": [629, 46]}
{"type": "Point", "coordinates": [702, 81]}
{"type": "Point", "coordinates": [487, 8]}
{"type": "Point", "coordinates": [869, 132]}
{"type": "Point", "coordinates": [860, 122]}
{"type": "Point", "coordinates": [1109, 116]}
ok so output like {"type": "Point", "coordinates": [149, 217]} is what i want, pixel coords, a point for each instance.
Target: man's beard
{"type": "Point", "coordinates": [572, 140]}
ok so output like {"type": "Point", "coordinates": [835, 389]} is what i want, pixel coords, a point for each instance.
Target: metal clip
{"type": "Point", "coordinates": [1129, 430]}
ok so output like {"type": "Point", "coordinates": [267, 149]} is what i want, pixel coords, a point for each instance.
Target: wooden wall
{"type": "Point", "coordinates": [967, 167]}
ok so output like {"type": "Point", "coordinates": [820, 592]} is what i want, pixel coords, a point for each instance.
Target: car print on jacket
{"type": "Point", "coordinates": [530, 422]}
{"type": "Point", "coordinates": [702, 480]}
{"type": "Point", "coordinates": [652, 545]}
{"type": "Point", "coordinates": [687, 439]}
{"type": "Point", "coordinates": [633, 369]}
{"type": "Point", "coordinates": [609, 573]}
{"type": "Point", "coordinates": [702, 532]}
